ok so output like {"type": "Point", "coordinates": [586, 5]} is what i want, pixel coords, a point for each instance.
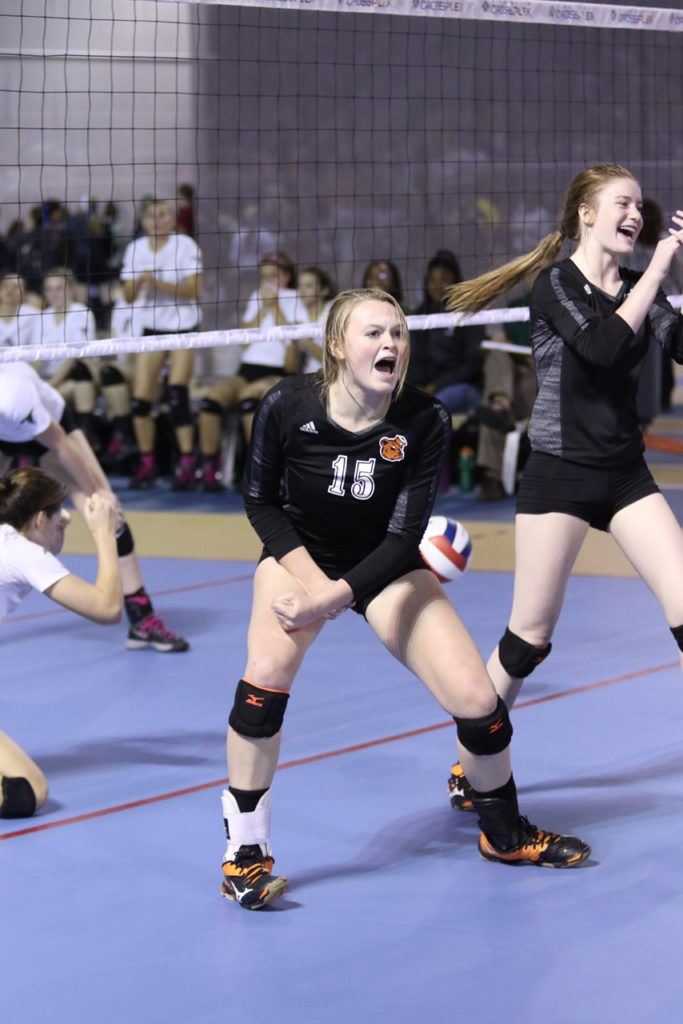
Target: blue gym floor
{"type": "Point", "coordinates": [110, 902]}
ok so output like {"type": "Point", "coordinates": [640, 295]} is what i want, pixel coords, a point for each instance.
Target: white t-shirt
{"type": "Point", "coordinates": [178, 259]}
{"type": "Point", "coordinates": [311, 363]}
{"type": "Point", "coordinates": [22, 329]}
{"type": "Point", "coordinates": [24, 566]}
{"type": "Point", "coordinates": [126, 319]}
{"type": "Point", "coordinates": [74, 327]}
{"type": "Point", "coordinates": [27, 403]}
{"type": "Point", "coordinates": [272, 353]}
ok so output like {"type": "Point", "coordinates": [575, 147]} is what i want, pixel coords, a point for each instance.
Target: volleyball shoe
{"type": "Point", "coordinates": [537, 847]}
{"type": "Point", "coordinates": [459, 789]}
{"type": "Point", "coordinates": [151, 632]}
{"type": "Point", "coordinates": [248, 878]}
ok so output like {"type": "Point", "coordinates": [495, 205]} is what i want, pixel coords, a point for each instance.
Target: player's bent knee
{"type": "Point", "coordinates": [179, 405]}
{"type": "Point", "coordinates": [258, 712]}
{"type": "Point", "coordinates": [210, 406]}
{"type": "Point", "coordinates": [488, 735]}
{"type": "Point", "coordinates": [19, 799]}
{"type": "Point", "coordinates": [518, 657]}
{"type": "Point", "coordinates": [141, 408]}
{"type": "Point", "coordinates": [248, 405]}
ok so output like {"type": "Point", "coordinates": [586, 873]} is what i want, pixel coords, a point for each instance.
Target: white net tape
{"type": "Point", "coordinates": [540, 12]}
{"type": "Point", "coordinates": [220, 339]}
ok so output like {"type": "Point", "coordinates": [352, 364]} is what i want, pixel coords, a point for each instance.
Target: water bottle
{"type": "Point", "coordinates": [466, 469]}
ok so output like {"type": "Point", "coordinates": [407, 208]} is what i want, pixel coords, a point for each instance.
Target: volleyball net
{"type": "Point", "coordinates": [339, 131]}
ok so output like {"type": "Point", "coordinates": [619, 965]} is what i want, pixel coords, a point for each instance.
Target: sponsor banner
{"type": "Point", "coordinates": [539, 12]}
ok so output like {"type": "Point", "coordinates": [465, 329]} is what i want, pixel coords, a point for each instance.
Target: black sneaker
{"type": "Point", "coordinates": [538, 848]}
{"type": "Point", "coordinates": [151, 632]}
{"type": "Point", "coordinates": [248, 880]}
{"type": "Point", "coordinates": [459, 789]}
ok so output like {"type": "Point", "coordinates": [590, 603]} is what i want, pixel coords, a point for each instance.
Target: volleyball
{"type": "Point", "coordinates": [446, 548]}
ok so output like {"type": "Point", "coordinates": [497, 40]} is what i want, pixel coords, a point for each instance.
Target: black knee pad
{"type": "Point", "coordinates": [210, 406]}
{"type": "Point", "coordinates": [248, 405]}
{"type": "Point", "coordinates": [80, 371]}
{"type": "Point", "coordinates": [677, 632]}
{"type": "Point", "coordinates": [68, 421]}
{"type": "Point", "coordinates": [125, 545]}
{"type": "Point", "coordinates": [257, 712]}
{"type": "Point", "coordinates": [488, 735]}
{"type": "Point", "coordinates": [18, 798]}
{"type": "Point", "coordinates": [141, 407]}
{"type": "Point", "coordinates": [180, 413]}
{"type": "Point", "coordinates": [518, 657]}
{"type": "Point", "coordinates": [111, 375]}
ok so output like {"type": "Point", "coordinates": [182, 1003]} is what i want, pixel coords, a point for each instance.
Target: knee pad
{"type": "Point", "coordinates": [18, 798]}
{"type": "Point", "coordinates": [68, 420]}
{"type": "Point", "coordinates": [141, 408]}
{"type": "Point", "coordinates": [518, 657]}
{"type": "Point", "coordinates": [210, 406]}
{"type": "Point", "coordinates": [248, 405]}
{"type": "Point", "coordinates": [180, 413]}
{"type": "Point", "coordinates": [257, 712]}
{"type": "Point", "coordinates": [80, 371]}
{"type": "Point", "coordinates": [677, 632]}
{"type": "Point", "coordinates": [111, 375]}
{"type": "Point", "coordinates": [488, 735]}
{"type": "Point", "coordinates": [125, 545]}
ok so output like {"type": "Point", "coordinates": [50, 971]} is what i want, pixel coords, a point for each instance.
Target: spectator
{"type": "Point", "coordinates": [185, 210]}
{"type": "Point", "coordinates": [446, 361]}
{"type": "Point", "coordinates": [385, 275]}
{"type": "Point", "coordinates": [275, 302]}
{"type": "Point", "coordinates": [162, 273]}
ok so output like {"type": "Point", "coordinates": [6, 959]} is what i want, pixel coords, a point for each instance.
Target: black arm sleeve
{"type": "Point", "coordinates": [263, 477]}
{"type": "Point", "coordinates": [559, 299]}
{"type": "Point", "coordinates": [666, 326]}
{"type": "Point", "coordinates": [398, 550]}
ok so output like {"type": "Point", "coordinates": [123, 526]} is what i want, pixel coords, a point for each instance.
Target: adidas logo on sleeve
{"type": "Point", "coordinates": [308, 428]}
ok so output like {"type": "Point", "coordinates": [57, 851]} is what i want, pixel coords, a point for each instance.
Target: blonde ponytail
{"type": "Point", "coordinates": [471, 296]}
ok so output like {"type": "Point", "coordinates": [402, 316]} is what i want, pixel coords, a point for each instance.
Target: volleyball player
{"type": "Point", "coordinates": [32, 526]}
{"type": "Point", "coordinates": [32, 411]}
{"type": "Point", "coordinates": [592, 321]}
{"type": "Point", "coordinates": [162, 275]}
{"type": "Point", "coordinates": [65, 321]}
{"type": "Point", "coordinates": [19, 321]}
{"type": "Point", "coordinates": [275, 302]}
{"type": "Point", "coordinates": [340, 480]}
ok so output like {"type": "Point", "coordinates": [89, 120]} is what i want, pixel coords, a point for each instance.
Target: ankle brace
{"type": "Point", "coordinates": [246, 828]}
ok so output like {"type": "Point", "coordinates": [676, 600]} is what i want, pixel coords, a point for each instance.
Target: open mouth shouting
{"type": "Point", "coordinates": [386, 365]}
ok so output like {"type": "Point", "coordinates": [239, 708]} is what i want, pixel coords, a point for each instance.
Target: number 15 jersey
{"type": "Point", "coordinates": [358, 502]}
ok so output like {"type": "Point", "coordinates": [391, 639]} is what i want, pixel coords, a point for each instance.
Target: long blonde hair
{"type": "Point", "coordinates": [471, 296]}
{"type": "Point", "coordinates": [337, 322]}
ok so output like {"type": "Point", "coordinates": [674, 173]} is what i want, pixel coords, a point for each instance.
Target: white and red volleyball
{"type": "Point", "coordinates": [446, 548]}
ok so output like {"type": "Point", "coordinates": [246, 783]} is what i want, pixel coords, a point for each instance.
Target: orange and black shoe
{"type": "Point", "coordinates": [247, 878]}
{"type": "Point", "coordinates": [459, 789]}
{"type": "Point", "coordinates": [536, 847]}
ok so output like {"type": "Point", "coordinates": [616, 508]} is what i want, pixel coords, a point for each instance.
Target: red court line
{"type": "Point", "coordinates": [157, 593]}
{"type": "Point", "coordinates": [664, 444]}
{"type": "Point", "coordinates": [327, 754]}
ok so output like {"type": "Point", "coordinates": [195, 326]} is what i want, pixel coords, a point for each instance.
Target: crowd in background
{"type": "Point", "coordinates": [71, 275]}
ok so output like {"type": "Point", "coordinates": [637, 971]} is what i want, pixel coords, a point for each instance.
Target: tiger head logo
{"type": "Point", "coordinates": [392, 449]}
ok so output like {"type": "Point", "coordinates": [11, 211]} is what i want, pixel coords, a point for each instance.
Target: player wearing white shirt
{"type": "Point", "coordinates": [67, 322]}
{"type": "Point", "coordinates": [162, 273]}
{"type": "Point", "coordinates": [32, 526]}
{"type": "Point", "coordinates": [316, 291]}
{"type": "Point", "coordinates": [274, 303]}
{"type": "Point", "coordinates": [19, 321]}
{"type": "Point", "coordinates": [32, 411]}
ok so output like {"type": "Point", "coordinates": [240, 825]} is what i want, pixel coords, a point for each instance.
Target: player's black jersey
{"type": "Point", "coordinates": [358, 502]}
{"type": "Point", "coordinates": [587, 364]}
